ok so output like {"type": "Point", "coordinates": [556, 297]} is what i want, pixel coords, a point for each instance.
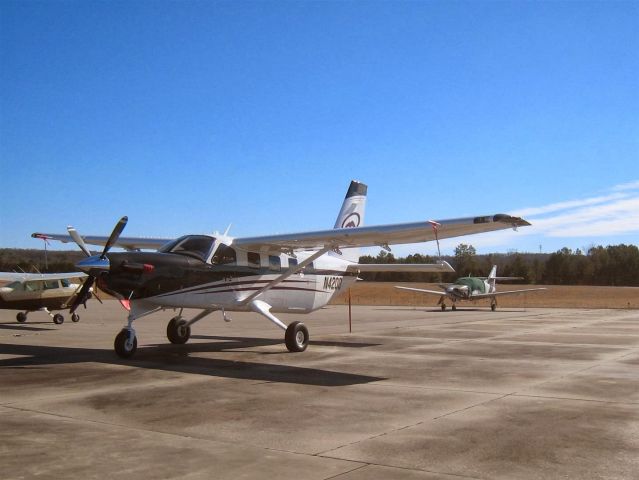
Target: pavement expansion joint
{"type": "Point", "coordinates": [421, 422]}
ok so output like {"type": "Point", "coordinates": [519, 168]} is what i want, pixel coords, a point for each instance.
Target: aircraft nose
{"type": "Point", "coordinates": [95, 262]}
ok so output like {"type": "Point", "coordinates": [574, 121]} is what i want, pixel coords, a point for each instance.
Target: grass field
{"type": "Point", "coordinates": [384, 293]}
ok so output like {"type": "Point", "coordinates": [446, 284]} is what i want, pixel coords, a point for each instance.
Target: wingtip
{"type": "Point", "coordinates": [514, 221]}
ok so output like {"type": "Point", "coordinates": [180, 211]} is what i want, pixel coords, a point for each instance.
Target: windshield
{"type": "Point", "coordinates": [197, 246]}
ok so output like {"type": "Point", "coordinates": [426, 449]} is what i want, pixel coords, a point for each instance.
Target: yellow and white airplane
{"type": "Point", "coordinates": [296, 272]}
{"type": "Point", "coordinates": [29, 292]}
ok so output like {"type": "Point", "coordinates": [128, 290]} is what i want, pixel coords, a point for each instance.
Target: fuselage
{"type": "Point", "coordinates": [465, 288]}
{"type": "Point", "coordinates": [36, 294]}
{"type": "Point", "coordinates": [215, 275]}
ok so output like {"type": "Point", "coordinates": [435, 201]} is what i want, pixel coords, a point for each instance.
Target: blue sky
{"type": "Point", "coordinates": [187, 116]}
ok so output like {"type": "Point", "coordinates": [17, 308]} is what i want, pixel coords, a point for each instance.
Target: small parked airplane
{"type": "Point", "coordinates": [29, 292]}
{"type": "Point", "coordinates": [298, 272]}
{"type": "Point", "coordinates": [471, 289]}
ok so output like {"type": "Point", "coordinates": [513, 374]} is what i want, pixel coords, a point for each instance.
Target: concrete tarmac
{"type": "Point", "coordinates": [412, 393]}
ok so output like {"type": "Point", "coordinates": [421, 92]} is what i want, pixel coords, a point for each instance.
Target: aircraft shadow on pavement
{"type": "Point", "coordinates": [177, 358]}
{"type": "Point", "coordinates": [17, 326]}
{"type": "Point", "coordinates": [231, 343]}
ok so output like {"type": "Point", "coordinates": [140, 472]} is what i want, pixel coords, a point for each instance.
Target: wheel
{"type": "Point", "coordinates": [443, 307]}
{"type": "Point", "coordinates": [454, 307]}
{"type": "Point", "coordinates": [493, 306]}
{"type": "Point", "coordinates": [296, 337]}
{"type": "Point", "coordinates": [21, 317]}
{"type": "Point", "coordinates": [58, 319]}
{"type": "Point", "coordinates": [120, 344]}
{"type": "Point", "coordinates": [75, 318]}
{"type": "Point", "coordinates": [177, 331]}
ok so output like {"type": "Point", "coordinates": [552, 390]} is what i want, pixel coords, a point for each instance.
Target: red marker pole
{"type": "Point", "coordinates": [350, 329]}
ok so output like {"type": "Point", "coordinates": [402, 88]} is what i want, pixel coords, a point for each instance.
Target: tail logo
{"type": "Point", "coordinates": [351, 221]}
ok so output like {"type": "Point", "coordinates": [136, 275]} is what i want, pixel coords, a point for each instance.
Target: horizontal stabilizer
{"type": "Point", "coordinates": [441, 267]}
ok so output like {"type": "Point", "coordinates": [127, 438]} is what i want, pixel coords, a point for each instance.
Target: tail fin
{"type": "Point", "coordinates": [492, 277]}
{"type": "Point", "coordinates": [352, 215]}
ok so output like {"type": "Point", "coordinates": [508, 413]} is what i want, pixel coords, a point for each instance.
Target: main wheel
{"type": "Point", "coordinates": [120, 344]}
{"type": "Point", "coordinates": [493, 306]}
{"type": "Point", "coordinates": [177, 331]}
{"type": "Point", "coordinates": [454, 307]}
{"type": "Point", "coordinates": [75, 318]}
{"type": "Point", "coordinates": [21, 317]}
{"type": "Point", "coordinates": [296, 337]}
{"type": "Point", "coordinates": [443, 307]}
{"type": "Point", "coordinates": [58, 319]}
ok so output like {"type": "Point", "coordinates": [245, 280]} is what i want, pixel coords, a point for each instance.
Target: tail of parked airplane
{"type": "Point", "coordinates": [492, 278]}
{"type": "Point", "coordinates": [352, 215]}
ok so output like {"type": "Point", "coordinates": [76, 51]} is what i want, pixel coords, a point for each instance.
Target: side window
{"type": "Point", "coordinates": [65, 282]}
{"type": "Point", "coordinates": [224, 255]}
{"type": "Point", "coordinates": [253, 259]}
{"type": "Point", "coordinates": [274, 263]}
{"type": "Point", "coordinates": [49, 284]}
{"type": "Point", "coordinates": [292, 262]}
{"type": "Point", "coordinates": [32, 286]}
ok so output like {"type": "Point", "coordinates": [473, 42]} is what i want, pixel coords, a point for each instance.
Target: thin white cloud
{"type": "Point", "coordinates": [555, 207]}
{"type": "Point", "coordinates": [626, 186]}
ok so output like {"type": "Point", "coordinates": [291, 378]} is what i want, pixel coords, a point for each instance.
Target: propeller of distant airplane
{"type": "Point", "coordinates": [98, 261]}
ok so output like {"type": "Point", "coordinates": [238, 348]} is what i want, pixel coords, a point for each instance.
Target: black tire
{"type": "Point", "coordinates": [75, 318]}
{"type": "Point", "coordinates": [296, 337]}
{"type": "Point", "coordinates": [177, 331]}
{"type": "Point", "coordinates": [21, 317]}
{"type": "Point", "coordinates": [454, 307]}
{"type": "Point", "coordinates": [443, 307]}
{"type": "Point", "coordinates": [120, 344]}
{"type": "Point", "coordinates": [58, 319]}
{"type": "Point", "coordinates": [493, 306]}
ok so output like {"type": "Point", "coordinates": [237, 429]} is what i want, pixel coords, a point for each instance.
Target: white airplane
{"type": "Point", "coordinates": [471, 289]}
{"type": "Point", "coordinates": [298, 272]}
{"type": "Point", "coordinates": [29, 292]}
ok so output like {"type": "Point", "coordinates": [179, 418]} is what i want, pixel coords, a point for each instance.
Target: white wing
{"type": "Point", "coordinates": [507, 292]}
{"type": "Point", "coordinates": [128, 243]}
{"type": "Point", "coordinates": [380, 235]}
{"type": "Point", "coordinates": [14, 276]}
{"type": "Point", "coordinates": [422, 290]}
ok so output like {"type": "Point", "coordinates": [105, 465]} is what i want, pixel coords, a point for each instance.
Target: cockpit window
{"type": "Point", "coordinates": [197, 246]}
{"type": "Point", "coordinates": [224, 255]}
{"type": "Point", "coordinates": [15, 286]}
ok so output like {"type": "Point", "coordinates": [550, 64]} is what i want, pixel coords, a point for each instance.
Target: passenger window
{"type": "Point", "coordinates": [65, 283]}
{"type": "Point", "coordinates": [49, 284]}
{"type": "Point", "coordinates": [32, 286]}
{"type": "Point", "coordinates": [253, 259]}
{"type": "Point", "coordinates": [292, 262]}
{"type": "Point", "coordinates": [224, 255]}
{"type": "Point", "coordinates": [274, 263]}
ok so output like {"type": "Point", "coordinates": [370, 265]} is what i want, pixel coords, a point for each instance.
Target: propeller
{"type": "Point", "coordinates": [85, 292]}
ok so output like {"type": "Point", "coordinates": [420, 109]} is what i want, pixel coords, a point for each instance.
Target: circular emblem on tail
{"type": "Point", "coordinates": [351, 221]}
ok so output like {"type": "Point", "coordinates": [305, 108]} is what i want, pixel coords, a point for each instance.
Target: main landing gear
{"type": "Point", "coordinates": [493, 305]}
{"type": "Point", "coordinates": [58, 318]}
{"type": "Point", "coordinates": [178, 331]}
{"type": "Point", "coordinates": [296, 335]}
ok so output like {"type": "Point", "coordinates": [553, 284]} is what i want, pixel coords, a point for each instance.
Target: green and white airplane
{"type": "Point", "coordinates": [472, 288]}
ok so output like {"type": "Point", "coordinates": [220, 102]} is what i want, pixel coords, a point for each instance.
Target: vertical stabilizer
{"type": "Point", "coordinates": [492, 278]}
{"type": "Point", "coordinates": [351, 215]}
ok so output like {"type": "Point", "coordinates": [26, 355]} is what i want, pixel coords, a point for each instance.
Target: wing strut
{"type": "Point", "coordinates": [286, 274]}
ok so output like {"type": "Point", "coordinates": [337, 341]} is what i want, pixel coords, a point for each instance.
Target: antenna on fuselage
{"type": "Point", "coordinates": [226, 232]}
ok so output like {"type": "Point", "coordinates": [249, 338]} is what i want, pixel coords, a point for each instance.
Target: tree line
{"type": "Point", "coordinates": [616, 265]}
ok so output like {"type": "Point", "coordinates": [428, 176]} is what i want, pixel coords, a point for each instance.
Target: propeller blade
{"type": "Point", "coordinates": [83, 296]}
{"type": "Point", "coordinates": [78, 240]}
{"type": "Point", "coordinates": [114, 235]}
